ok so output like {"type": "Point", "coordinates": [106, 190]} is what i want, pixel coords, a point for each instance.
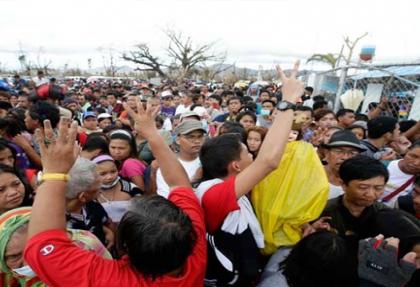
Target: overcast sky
{"type": "Point", "coordinates": [254, 32]}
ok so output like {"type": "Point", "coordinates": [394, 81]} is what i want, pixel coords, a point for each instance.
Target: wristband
{"type": "Point", "coordinates": [54, 177]}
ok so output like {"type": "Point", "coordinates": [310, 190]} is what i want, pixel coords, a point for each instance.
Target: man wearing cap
{"type": "Point", "coordinates": [342, 145]}
{"type": "Point", "coordinates": [90, 123]}
{"type": "Point", "coordinates": [187, 102]}
{"type": "Point", "coordinates": [190, 137]}
{"type": "Point", "coordinates": [104, 120]}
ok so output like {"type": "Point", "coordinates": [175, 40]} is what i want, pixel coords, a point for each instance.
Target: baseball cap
{"type": "Point", "coordinates": [344, 139]}
{"type": "Point", "coordinates": [89, 114]}
{"type": "Point", "coordinates": [189, 114]}
{"type": "Point", "coordinates": [189, 126]}
{"type": "Point", "coordinates": [166, 94]}
{"type": "Point", "coordinates": [104, 116]}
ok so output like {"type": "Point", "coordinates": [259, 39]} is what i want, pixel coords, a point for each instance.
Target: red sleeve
{"type": "Point", "coordinates": [59, 262]}
{"type": "Point", "coordinates": [218, 202]}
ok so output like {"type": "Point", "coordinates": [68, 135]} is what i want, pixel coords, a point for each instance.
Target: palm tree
{"type": "Point", "coordinates": [330, 59]}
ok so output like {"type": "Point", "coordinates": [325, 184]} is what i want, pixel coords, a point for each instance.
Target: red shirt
{"type": "Point", "coordinates": [58, 262]}
{"type": "Point", "coordinates": [218, 201]}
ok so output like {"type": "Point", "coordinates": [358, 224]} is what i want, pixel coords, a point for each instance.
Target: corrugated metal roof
{"type": "Point", "coordinates": [397, 70]}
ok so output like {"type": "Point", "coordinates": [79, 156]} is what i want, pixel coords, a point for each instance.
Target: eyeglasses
{"type": "Point", "coordinates": [194, 138]}
{"type": "Point", "coordinates": [345, 152]}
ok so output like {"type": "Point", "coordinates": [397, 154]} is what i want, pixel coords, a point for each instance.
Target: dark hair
{"type": "Point", "coordinates": [96, 141]}
{"type": "Point", "coordinates": [414, 145]}
{"type": "Point", "coordinates": [233, 128]}
{"type": "Point", "coordinates": [350, 128]}
{"type": "Point", "coordinates": [379, 126]}
{"type": "Point", "coordinates": [42, 110]}
{"type": "Point", "coordinates": [319, 98]}
{"type": "Point", "coordinates": [247, 99]}
{"type": "Point", "coordinates": [217, 153]}
{"type": "Point", "coordinates": [361, 117]}
{"type": "Point", "coordinates": [319, 105]}
{"type": "Point", "coordinates": [320, 259]}
{"type": "Point", "coordinates": [234, 98]}
{"type": "Point", "coordinates": [268, 101]}
{"type": "Point", "coordinates": [343, 112]}
{"type": "Point", "coordinates": [157, 236]}
{"type": "Point", "coordinates": [362, 167]}
{"type": "Point", "coordinates": [406, 125]}
{"type": "Point", "coordinates": [246, 113]}
{"type": "Point", "coordinates": [305, 109]}
{"type": "Point", "coordinates": [217, 98]}
{"type": "Point", "coordinates": [309, 89]}
{"type": "Point", "coordinates": [322, 113]}
{"type": "Point", "coordinates": [131, 141]}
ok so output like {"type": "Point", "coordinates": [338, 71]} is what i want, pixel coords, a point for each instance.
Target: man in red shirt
{"type": "Point", "coordinates": [235, 235]}
{"type": "Point", "coordinates": [162, 241]}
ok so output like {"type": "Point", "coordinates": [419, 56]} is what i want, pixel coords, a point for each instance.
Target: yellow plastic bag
{"type": "Point", "coordinates": [293, 194]}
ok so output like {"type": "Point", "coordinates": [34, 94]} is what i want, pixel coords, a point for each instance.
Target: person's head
{"type": "Point", "coordinates": [329, 133]}
{"type": "Point", "coordinates": [107, 171]}
{"type": "Point", "coordinates": [304, 115]}
{"type": "Point", "coordinates": [23, 101]}
{"type": "Point", "coordinates": [167, 100]}
{"type": "Point", "coordinates": [187, 98]}
{"type": "Point", "coordinates": [234, 105]}
{"type": "Point", "coordinates": [406, 125]}
{"type": "Point", "coordinates": [319, 105]}
{"type": "Point", "coordinates": [254, 138]}
{"type": "Point", "coordinates": [189, 116]}
{"type": "Point", "coordinates": [342, 146]}
{"type": "Point", "coordinates": [5, 107]}
{"type": "Point", "coordinates": [319, 259]}
{"type": "Point", "coordinates": [386, 128]}
{"type": "Point", "coordinates": [190, 137]}
{"type": "Point", "coordinates": [40, 111]}
{"type": "Point", "coordinates": [177, 100]}
{"type": "Point", "coordinates": [84, 181]}
{"type": "Point", "coordinates": [96, 144]}
{"type": "Point", "coordinates": [112, 98]}
{"type": "Point", "coordinates": [12, 189]}
{"type": "Point", "coordinates": [268, 105]}
{"type": "Point", "coordinates": [411, 162]}
{"type": "Point", "coordinates": [359, 130]}
{"type": "Point", "coordinates": [104, 120]}
{"type": "Point", "coordinates": [264, 95]}
{"type": "Point", "coordinates": [363, 180]}
{"type": "Point", "coordinates": [132, 101]}
{"type": "Point", "coordinates": [223, 156]}
{"type": "Point", "coordinates": [247, 119]}
{"type": "Point", "coordinates": [90, 121]}
{"type": "Point", "coordinates": [154, 228]}
{"type": "Point", "coordinates": [325, 118]}
{"type": "Point", "coordinates": [7, 153]}
{"type": "Point", "coordinates": [215, 101]}
{"type": "Point", "coordinates": [233, 128]}
{"type": "Point", "coordinates": [13, 238]}
{"type": "Point", "coordinates": [122, 145]}
{"type": "Point", "coordinates": [345, 117]}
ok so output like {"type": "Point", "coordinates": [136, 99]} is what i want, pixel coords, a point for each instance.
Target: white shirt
{"type": "Point", "coordinates": [396, 179]}
{"type": "Point", "coordinates": [38, 82]}
{"type": "Point", "coordinates": [335, 191]}
{"type": "Point", "coordinates": [182, 109]}
{"type": "Point", "coordinates": [190, 167]}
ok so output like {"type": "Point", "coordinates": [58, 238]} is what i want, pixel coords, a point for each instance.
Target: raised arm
{"type": "Point", "coordinates": [172, 170]}
{"type": "Point", "coordinates": [275, 141]}
{"type": "Point", "coordinates": [58, 157]}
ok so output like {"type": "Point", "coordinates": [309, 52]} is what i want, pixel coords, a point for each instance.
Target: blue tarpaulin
{"type": "Point", "coordinates": [397, 70]}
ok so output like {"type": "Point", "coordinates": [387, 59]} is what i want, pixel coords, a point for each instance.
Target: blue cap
{"type": "Point", "coordinates": [89, 114]}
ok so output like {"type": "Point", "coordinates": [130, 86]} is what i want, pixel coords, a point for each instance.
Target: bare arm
{"type": "Point", "coordinates": [172, 170]}
{"type": "Point", "coordinates": [48, 210]}
{"type": "Point", "coordinates": [275, 141]}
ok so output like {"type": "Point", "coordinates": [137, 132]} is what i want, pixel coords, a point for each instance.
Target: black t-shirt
{"type": "Point", "coordinates": [92, 218]}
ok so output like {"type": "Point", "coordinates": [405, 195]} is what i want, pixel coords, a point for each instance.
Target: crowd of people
{"type": "Point", "coordinates": [111, 184]}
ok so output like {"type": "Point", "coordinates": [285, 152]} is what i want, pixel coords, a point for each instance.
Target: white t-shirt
{"type": "Point", "coordinates": [182, 109]}
{"type": "Point", "coordinates": [396, 179]}
{"type": "Point", "coordinates": [335, 191]}
{"type": "Point", "coordinates": [190, 167]}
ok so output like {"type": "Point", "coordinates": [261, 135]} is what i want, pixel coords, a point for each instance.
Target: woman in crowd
{"type": "Point", "coordinates": [13, 237]}
{"type": "Point", "coordinates": [115, 193]}
{"type": "Point", "coordinates": [254, 138]}
{"type": "Point", "coordinates": [247, 119]}
{"type": "Point", "coordinates": [14, 191]}
{"type": "Point", "coordinates": [122, 148]}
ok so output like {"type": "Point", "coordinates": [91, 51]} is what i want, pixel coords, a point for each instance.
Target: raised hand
{"type": "Point", "coordinates": [60, 154]}
{"type": "Point", "coordinates": [144, 119]}
{"type": "Point", "coordinates": [292, 88]}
